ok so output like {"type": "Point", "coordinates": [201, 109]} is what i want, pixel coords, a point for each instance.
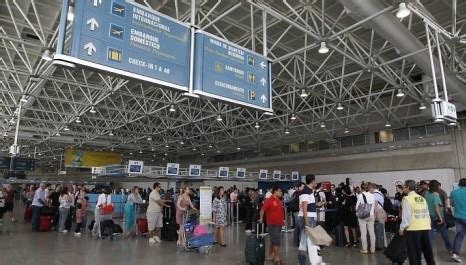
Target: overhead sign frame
{"type": "Point", "coordinates": [240, 173]}
{"type": "Point", "coordinates": [223, 172]}
{"type": "Point", "coordinates": [276, 174]}
{"type": "Point", "coordinates": [79, 22]}
{"type": "Point", "coordinates": [195, 170]}
{"type": "Point", "coordinates": [263, 174]}
{"type": "Point", "coordinates": [173, 169]}
{"type": "Point", "coordinates": [295, 175]}
{"type": "Point", "coordinates": [199, 84]}
{"type": "Point", "coordinates": [135, 167]}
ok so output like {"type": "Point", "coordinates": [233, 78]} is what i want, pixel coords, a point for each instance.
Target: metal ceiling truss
{"type": "Point", "coordinates": [362, 73]}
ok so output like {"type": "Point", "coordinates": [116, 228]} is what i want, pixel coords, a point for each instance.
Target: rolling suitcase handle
{"type": "Point", "coordinates": [257, 229]}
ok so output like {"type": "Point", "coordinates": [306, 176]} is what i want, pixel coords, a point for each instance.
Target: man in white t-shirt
{"type": "Point", "coordinates": [154, 214]}
{"type": "Point", "coordinates": [367, 224]}
{"type": "Point", "coordinates": [307, 215]}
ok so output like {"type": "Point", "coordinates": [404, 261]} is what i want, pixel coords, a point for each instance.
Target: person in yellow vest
{"type": "Point", "coordinates": [415, 225]}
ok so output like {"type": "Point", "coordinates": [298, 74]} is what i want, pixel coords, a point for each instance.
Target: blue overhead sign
{"type": "Point", "coordinates": [229, 72]}
{"type": "Point", "coordinates": [129, 39]}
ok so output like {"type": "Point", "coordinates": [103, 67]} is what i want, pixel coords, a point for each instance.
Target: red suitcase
{"type": "Point", "coordinates": [142, 226]}
{"type": "Point", "coordinates": [28, 214]}
{"type": "Point", "coordinates": [45, 223]}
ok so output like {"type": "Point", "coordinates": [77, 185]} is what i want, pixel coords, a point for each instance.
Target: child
{"type": "Point", "coordinates": [81, 211]}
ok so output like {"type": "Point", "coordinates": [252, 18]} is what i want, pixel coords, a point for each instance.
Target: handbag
{"type": "Point", "coordinates": [380, 214]}
{"type": "Point", "coordinates": [364, 209]}
{"type": "Point", "coordinates": [107, 209]}
{"type": "Point", "coordinates": [318, 236]}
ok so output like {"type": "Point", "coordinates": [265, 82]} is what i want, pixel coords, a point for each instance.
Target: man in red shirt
{"type": "Point", "coordinates": [273, 208]}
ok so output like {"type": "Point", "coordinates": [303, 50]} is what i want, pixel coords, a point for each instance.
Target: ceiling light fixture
{"type": "Point", "coordinates": [92, 110]}
{"type": "Point", "coordinates": [257, 126]}
{"type": "Point", "coordinates": [303, 93]}
{"type": "Point", "coordinates": [219, 118]}
{"type": "Point", "coordinates": [130, 153]}
{"type": "Point", "coordinates": [78, 120]}
{"type": "Point", "coordinates": [452, 124]}
{"type": "Point", "coordinates": [202, 154]}
{"type": "Point", "coordinates": [387, 124]}
{"type": "Point", "coordinates": [194, 149]}
{"type": "Point", "coordinates": [322, 124]}
{"type": "Point", "coordinates": [152, 149]}
{"type": "Point", "coordinates": [182, 143]}
{"type": "Point", "coordinates": [210, 146]}
{"type": "Point", "coordinates": [111, 133]}
{"type": "Point", "coordinates": [172, 108]}
{"type": "Point", "coordinates": [47, 56]}
{"type": "Point", "coordinates": [346, 130]}
{"type": "Point", "coordinates": [400, 93]}
{"type": "Point", "coordinates": [70, 15]}
{"type": "Point", "coordinates": [293, 117]}
{"type": "Point", "coordinates": [5, 134]}
{"type": "Point", "coordinates": [218, 151]}
{"type": "Point", "coordinates": [323, 47]}
{"type": "Point", "coordinates": [149, 138]}
{"type": "Point", "coordinates": [12, 121]}
{"type": "Point", "coordinates": [268, 113]}
{"type": "Point", "coordinates": [403, 11]}
{"type": "Point", "coordinates": [339, 107]}
{"type": "Point", "coordinates": [422, 106]}
{"type": "Point", "coordinates": [165, 154]}
{"type": "Point", "coordinates": [66, 128]}
{"type": "Point", "coordinates": [238, 148]}
{"type": "Point", "coordinates": [287, 131]}
{"type": "Point", "coordinates": [24, 99]}
{"type": "Point", "coordinates": [140, 151]}
{"type": "Point", "coordinates": [112, 149]}
{"type": "Point", "coordinates": [167, 146]}
{"type": "Point", "coordinates": [57, 134]}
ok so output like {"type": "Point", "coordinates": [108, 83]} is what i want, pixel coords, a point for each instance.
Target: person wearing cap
{"type": "Point", "coordinates": [458, 200]}
{"type": "Point", "coordinates": [415, 225]}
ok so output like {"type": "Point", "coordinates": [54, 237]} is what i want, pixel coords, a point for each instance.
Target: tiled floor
{"type": "Point", "coordinates": [18, 245]}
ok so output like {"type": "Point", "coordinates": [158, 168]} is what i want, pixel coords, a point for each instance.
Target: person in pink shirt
{"type": "Point", "coordinates": [81, 210]}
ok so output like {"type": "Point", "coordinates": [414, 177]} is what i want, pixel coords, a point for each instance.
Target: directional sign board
{"type": "Point", "coordinates": [229, 72]}
{"type": "Point", "coordinates": [129, 39]}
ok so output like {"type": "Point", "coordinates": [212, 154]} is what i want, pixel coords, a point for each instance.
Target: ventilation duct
{"type": "Point", "coordinates": [388, 26]}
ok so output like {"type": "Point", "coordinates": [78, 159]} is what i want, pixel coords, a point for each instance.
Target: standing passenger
{"type": "Point", "coordinates": [458, 198]}
{"type": "Point", "coordinates": [367, 224]}
{"type": "Point", "coordinates": [133, 198]}
{"type": "Point", "coordinates": [416, 225]}
{"type": "Point", "coordinates": [219, 208]}
{"type": "Point", "coordinates": [274, 211]}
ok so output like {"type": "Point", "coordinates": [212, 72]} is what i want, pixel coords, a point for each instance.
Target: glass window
{"type": "Point", "coordinates": [385, 136]}
{"type": "Point", "coordinates": [346, 141]}
{"type": "Point", "coordinates": [313, 146]}
{"type": "Point", "coordinates": [417, 132]}
{"type": "Point", "coordinates": [401, 134]}
{"type": "Point", "coordinates": [435, 129]}
{"type": "Point", "coordinates": [323, 144]}
{"type": "Point", "coordinates": [359, 139]}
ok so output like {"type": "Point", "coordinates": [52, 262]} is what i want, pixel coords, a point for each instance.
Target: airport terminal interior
{"type": "Point", "coordinates": [232, 131]}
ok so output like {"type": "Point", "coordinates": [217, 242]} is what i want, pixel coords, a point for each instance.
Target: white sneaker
{"type": "Point", "coordinates": [248, 231]}
{"type": "Point", "coordinates": [77, 234]}
{"type": "Point", "coordinates": [456, 258]}
{"type": "Point", "coordinates": [64, 231]}
{"type": "Point", "coordinates": [152, 241]}
{"type": "Point", "coordinates": [158, 239]}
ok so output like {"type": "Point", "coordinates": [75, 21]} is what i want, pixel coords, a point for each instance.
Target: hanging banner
{"type": "Point", "coordinates": [89, 159]}
{"type": "Point", "coordinates": [205, 194]}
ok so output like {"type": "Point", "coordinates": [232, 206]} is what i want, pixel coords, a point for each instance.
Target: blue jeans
{"type": "Point", "coordinates": [460, 227]}
{"type": "Point", "coordinates": [62, 220]}
{"type": "Point", "coordinates": [35, 217]}
{"type": "Point", "coordinates": [442, 229]}
{"type": "Point", "coordinates": [302, 256]}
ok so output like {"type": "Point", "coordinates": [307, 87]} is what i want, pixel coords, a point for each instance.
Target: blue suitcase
{"type": "Point", "coordinates": [200, 241]}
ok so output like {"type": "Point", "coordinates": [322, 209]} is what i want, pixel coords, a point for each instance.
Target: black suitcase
{"type": "Point", "coordinates": [117, 229]}
{"type": "Point", "coordinates": [379, 236]}
{"type": "Point", "coordinates": [255, 248]}
{"type": "Point", "coordinates": [339, 236]}
{"type": "Point", "coordinates": [169, 231]}
{"type": "Point", "coordinates": [106, 228]}
{"type": "Point", "coordinates": [396, 250]}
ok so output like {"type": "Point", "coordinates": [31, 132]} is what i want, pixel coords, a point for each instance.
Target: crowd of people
{"type": "Point", "coordinates": [355, 215]}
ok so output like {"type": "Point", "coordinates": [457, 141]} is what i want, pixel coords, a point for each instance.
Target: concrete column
{"type": "Point", "coordinates": [459, 148]}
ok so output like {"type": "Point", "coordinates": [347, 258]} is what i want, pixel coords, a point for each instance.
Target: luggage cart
{"type": "Point", "coordinates": [140, 213]}
{"type": "Point", "coordinates": [190, 242]}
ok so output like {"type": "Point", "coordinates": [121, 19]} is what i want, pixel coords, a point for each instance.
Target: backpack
{"type": "Point", "coordinates": [364, 209]}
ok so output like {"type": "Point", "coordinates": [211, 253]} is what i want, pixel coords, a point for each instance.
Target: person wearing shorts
{"type": "Point", "coordinates": [275, 215]}
{"type": "Point", "coordinates": [154, 214]}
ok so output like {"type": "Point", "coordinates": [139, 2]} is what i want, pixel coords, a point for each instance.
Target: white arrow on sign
{"type": "Point", "coordinates": [263, 65]}
{"type": "Point", "coordinates": [97, 2]}
{"type": "Point", "coordinates": [90, 48]}
{"type": "Point", "coordinates": [93, 23]}
{"type": "Point", "coordinates": [263, 81]}
{"type": "Point", "coordinates": [264, 99]}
